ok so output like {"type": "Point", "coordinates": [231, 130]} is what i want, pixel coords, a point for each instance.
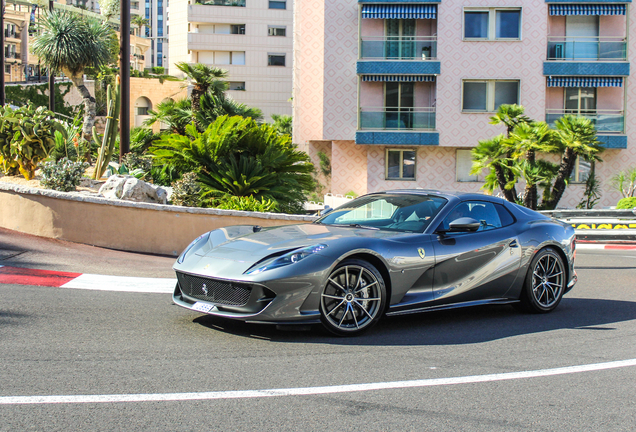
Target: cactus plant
{"type": "Point", "coordinates": [110, 133]}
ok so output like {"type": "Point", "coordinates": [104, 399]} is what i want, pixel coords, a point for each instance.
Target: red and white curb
{"type": "Point", "coordinates": [596, 246]}
{"type": "Point", "coordinates": [28, 276]}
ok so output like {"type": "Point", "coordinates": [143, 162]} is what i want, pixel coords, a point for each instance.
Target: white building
{"type": "Point", "coordinates": [252, 39]}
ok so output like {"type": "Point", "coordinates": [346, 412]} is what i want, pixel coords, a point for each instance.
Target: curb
{"type": "Point", "coordinates": [607, 246]}
{"type": "Point", "coordinates": [86, 281]}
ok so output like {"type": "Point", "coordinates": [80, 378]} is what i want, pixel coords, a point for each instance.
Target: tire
{"type": "Point", "coordinates": [353, 299]}
{"type": "Point", "coordinates": [545, 282]}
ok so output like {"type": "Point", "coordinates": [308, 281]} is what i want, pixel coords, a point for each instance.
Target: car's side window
{"type": "Point", "coordinates": [482, 211]}
{"type": "Point", "coordinates": [504, 215]}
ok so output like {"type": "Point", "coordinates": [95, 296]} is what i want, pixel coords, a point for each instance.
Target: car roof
{"type": "Point", "coordinates": [445, 194]}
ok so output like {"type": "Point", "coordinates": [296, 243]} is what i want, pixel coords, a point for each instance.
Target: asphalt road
{"type": "Point", "coordinates": [73, 342]}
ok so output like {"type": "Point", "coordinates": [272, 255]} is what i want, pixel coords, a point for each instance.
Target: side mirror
{"type": "Point", "coordinates": [326, 210]}
{"type": "Point", "coordinates": [464, 224]}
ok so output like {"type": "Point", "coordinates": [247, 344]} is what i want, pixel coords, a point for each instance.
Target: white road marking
{"type": "Point", "coordinates": [307, 391]}
{"type": "Point", "coordinates": [122, 283]}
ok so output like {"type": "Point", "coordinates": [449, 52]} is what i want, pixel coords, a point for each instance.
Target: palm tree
{"type": "Point", "coordinates": [282, 123]}
{"type": "Point", "coordinates": [527, 139]}
{"type": "Point", "coordinates": [492, 155]}
{"type": "Point", "coordinates": [176, 114]}
{"type": "Point", "coordinates": [140, 22]}
{"type": "Point", "coordinates": [577, 137]}
{"type": "Point", "coordinates": [205, 80]}
{"type": "Point", "coordinates": [69, 43]}
{"type": "Point", "coordinates": [510, 116]}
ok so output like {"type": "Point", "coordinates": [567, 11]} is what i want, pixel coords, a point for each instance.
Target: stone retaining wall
{"type": "Point", "coordinates": [124, 225]}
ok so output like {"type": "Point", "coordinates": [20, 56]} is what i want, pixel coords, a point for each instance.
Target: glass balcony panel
{"type": "Point", "coordinates": [587, 48]}
{"type": "Point", "coordinates": [397, 119]}
{"type": "Point", "coordinates": [605, 121]}
{"type": "Point", "coordinates": [399, 47]}
{"type": "Point", "coordinates": [239, 3]}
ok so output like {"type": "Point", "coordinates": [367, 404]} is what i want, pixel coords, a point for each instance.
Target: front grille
{"type": "Point", "coordinates": [214, 290]}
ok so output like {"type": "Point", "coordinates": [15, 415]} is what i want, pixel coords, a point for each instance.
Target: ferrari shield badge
{"type": "Point", "coordinates": [422, 252]}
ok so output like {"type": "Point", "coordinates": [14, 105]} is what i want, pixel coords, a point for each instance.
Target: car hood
{"type": "Point", "coordinates": [240, 243]}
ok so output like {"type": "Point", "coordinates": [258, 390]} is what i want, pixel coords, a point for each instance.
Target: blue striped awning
{"type": "Point", "coordinates": [399, 11]}
{"type": "Point", "coordinates": [585, 82]}
{"type": "Point", "coordinates": [399, 78]}
{"type": "Point", "coordinates": [587, 9]}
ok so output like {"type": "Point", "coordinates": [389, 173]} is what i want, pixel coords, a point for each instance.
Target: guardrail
{"type": "Point", "coordinates": [599, 225]}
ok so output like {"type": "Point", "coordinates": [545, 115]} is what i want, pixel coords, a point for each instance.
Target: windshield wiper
{"type": "Point", "coordinates": [363, 226]}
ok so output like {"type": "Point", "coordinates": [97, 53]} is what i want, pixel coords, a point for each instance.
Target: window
{"type": "Point", "coordinates": [581, 171]}
{"type": "Point", "coordinates": [487, 95]}
{"type": "Point", "coordinates": [463, 166]}
{"type": "Point", "coordinates": [236, 85]}
{"type": "Point", "coordinates": [580, 100]}
{"type": "Point", "coordinates": [277, 4]}
{"type": "Point", "coordinates": [400, 164]}
{"type": "Point", "coordinates": [7, 69]}
{"type": "Point", "coordinates": [142, 111]}
{"type": "Point", "coordinates": [276, 31]}
{"type": "Point", "coordinates": [276, 59]}
{"type": "Point", "coordinates": [492, 23]}
{"type": "Point", "coordinates": [237, 29]}
{"type": "Point", "coordinates": [482, 211]}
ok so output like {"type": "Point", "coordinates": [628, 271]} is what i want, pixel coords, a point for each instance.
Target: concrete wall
{"type": "Point", "coordinates": [122, 225]}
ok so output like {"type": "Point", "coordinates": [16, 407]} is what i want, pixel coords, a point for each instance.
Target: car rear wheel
{"type": "Point", "coordinates": [353, 299]}
{"type": "Point", "coordinates": [545, 282]}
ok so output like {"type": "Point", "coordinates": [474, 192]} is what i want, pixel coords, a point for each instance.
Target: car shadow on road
{"type": "Point", "coordinates": [450, 327]}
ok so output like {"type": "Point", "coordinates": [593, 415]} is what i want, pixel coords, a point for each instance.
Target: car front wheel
{"type": "Point", "coordinates": [353, 299]}
{"type": "Point", "coordinates": [545, 282]}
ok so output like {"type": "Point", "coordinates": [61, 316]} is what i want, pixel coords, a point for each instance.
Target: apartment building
{"type": "Point", "coordinates": [19, 64]}
{"type": "Point", "coordinates": [251, 39]}
{"type": "Point", "coordinates": [397, 93]}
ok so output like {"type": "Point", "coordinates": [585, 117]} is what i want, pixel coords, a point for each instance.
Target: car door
{"type": "Point", "coordinates": [476, 265]}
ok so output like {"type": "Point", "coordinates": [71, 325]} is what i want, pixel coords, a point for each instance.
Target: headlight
{"type": "Point", "coordinates": [287, 259]}
{"type": "Point", "coordinates": [201, 238]}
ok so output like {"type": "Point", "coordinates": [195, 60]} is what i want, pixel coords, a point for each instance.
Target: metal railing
{"type": "Point", "coordinates": [397, 118]}
{"type": "Point", "coordinates": [605, 121]}
{"type": "Point", "coordinates": [399, 47]}
{"type": "Point", "coordinates": [587, 48]}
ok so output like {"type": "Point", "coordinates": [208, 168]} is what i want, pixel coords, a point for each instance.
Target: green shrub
{"type": "Point", "coordinates": [626, 203]}
{"type": "Point", "coordinates": [27, 136]}
{"type": "Point", "coordinates": [63, 175]}
{"type": "Point", "coordinates": [158, 70]}
{"type": "Point", "coordinates": [186, 192]}
{"type": "Point", "coordinates": [245, 203]}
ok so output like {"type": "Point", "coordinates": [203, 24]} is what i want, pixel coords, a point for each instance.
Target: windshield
{"type": "Point", "coordinates": [390, 212]}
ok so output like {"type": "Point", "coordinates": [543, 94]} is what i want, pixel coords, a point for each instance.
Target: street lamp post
{"type": "Point", "coordinates": [51, 76]}
{"type": "Point", "coordinates": [124, 73]}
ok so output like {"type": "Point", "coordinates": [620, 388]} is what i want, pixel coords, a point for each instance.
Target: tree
{"type": "Point", "coordinates": [176, 114]}
{"type": "Point", "coordinates": [235, 156]}
{"type": "Point", "coordinates": [205, 80]}
{"type": "Point", "coordinates": [140, 22]}
{"type": "Point", "coordinates": [492, 155]}
{"type": "Point", "coordinates": [577, 137]}
{"type": "Point", "coordinates": [510, 116]}
{"type": "Point", "coordinates": [282, 123]}
{"type": "Point", "coordinates": [525, 140]}
{"type": "Point", "coordinates": [69, 43]}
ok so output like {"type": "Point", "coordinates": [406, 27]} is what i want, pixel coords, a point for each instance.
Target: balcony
{"type": "Point", "coordinates": [237, 3]}
{"type": "Point", "coordinates": [587, 49]}
{"type": "Point", "coordinates": [399, 48]}
{"type": "Point", "coordinates": [605, 121]}
{"type": "Point", "coordinates": [397, 119]}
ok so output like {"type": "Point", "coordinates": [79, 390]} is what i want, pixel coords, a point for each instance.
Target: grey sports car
{"type": "Point", "coordinates": [386, 253]}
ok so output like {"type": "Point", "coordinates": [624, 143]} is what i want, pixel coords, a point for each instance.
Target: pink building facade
{"type": "Point", "coordinates": [396, 94]}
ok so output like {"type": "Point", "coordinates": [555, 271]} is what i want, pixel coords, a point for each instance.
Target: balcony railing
{"type": "Point", "coordinates": [399, 48]}
{"type": "Point", "coordinates": [12, 35]}
{"type": "Point", "coordinates": [238, 3]}
{"type": "Point", "coordinates": [397, 118]}
{"type": "Point", "coordinates": [605, 121]}
{"type": "Point", "coordinates": [587, 48]}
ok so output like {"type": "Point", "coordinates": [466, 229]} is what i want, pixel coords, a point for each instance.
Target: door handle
{"type": "Point", "coordinates": [513, 244]}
